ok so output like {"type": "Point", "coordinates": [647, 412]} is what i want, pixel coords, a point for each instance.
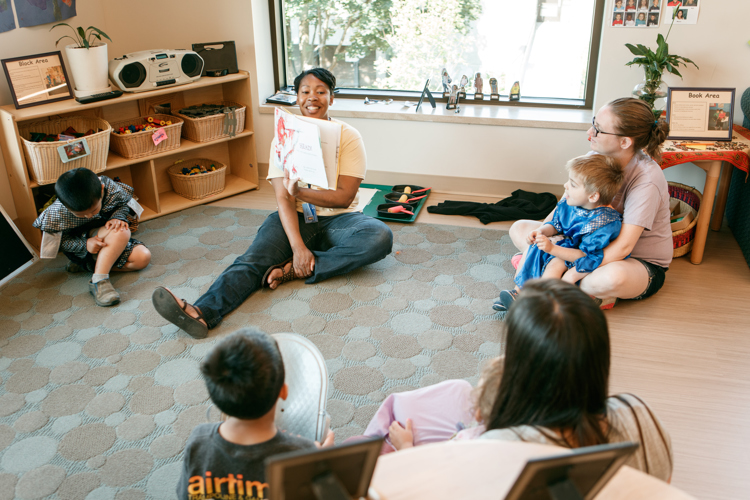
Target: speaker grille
{"type": "Point", "coordinates": [133, 75]}
{"type": "Point", "coordinates": [192, 65]}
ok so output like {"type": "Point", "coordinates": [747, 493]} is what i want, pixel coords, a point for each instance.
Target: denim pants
{"type": "Point", "coordinates": [340, 243]}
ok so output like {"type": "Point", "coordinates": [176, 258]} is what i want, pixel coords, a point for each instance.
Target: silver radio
{"type": "Point", "coordinates": [153, 69]}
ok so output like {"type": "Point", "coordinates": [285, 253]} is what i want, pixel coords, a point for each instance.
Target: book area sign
{"type": "Point", "coordinates": [700, 114]}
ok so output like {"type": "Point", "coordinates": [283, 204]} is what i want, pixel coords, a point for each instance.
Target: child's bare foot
{"type": "Point", "coordinates": [179, 312]}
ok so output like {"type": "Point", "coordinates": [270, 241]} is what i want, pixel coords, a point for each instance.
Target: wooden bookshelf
{"type": "Point", "coordinates": [147, 175]}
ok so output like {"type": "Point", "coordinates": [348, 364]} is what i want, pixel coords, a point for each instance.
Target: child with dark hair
{"type": "Point", "coordinates": [586, 220]}
{"type": "Point", "coordinates": [244, 375]}
{"type": "Point", "coordinates": [91, 222]}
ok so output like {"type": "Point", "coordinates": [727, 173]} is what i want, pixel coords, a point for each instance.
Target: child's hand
{"type": "Point", "coordinates": [94, 245]}
{"type": "Point", "coordinates": [328, 441]}
{"type": "Point", "coordinates": [401, 437]}
{"type": "Point", "coordinates": [543, 243]}
{"type": "Point", "coordinates": [531, 237]}
{"type": "Point", "coordinates": [116, 225]}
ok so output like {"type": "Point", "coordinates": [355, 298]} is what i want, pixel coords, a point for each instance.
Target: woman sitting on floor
{"type": "Point", "coordinates": [550, 388]}
{"type": "Point", "coordinates": [625, 129]}
{"type": "Point", "coordinates": [286, 247]}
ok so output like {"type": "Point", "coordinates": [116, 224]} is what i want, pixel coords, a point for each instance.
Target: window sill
{"type": "Point", "coordinates": [469, 114]}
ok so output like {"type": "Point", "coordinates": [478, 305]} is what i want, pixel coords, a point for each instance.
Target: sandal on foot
{"type": "Point", "coordinates": [285, 276]}
{"type": "Point", "coordinates": [169, 308]}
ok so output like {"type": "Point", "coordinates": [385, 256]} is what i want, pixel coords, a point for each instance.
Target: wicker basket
{"type": "Point", "coordinates": [211, 128]}
{"type": "Point", "coordinates": [140, 144]}
{"type": "Point", "coordinates": [197, 187]}
{"type": "Point", "coordinates": [42, 158]}
{"type": "Point", "coordinates": [682, 240]}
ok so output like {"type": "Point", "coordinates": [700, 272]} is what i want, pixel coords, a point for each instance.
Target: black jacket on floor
{"type": "Point", "coordinates": [520, 205]}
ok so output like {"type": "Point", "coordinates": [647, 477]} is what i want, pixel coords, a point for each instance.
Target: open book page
{"type": "Point", "coordinates": [297, 149]}
{"type": "Point", "coordinates": [330, 143]}
{"type": "Point", "coordinates": [365, 196]}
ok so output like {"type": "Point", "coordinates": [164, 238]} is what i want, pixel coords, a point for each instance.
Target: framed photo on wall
{"type": "Point", "coordinates": [37, 79]}
{"type": "Point", "coordinates": [700, 113]}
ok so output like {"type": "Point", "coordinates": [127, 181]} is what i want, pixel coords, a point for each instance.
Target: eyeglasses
{"type": "Point", "coordinates": [597, 131]}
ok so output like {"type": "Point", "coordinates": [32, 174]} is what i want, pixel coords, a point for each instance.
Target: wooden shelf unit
{"type": "Point", "coordinates": [148, 175]}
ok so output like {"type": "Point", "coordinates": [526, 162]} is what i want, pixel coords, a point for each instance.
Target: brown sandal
{"type": "Point", "coordinates": [169, 308]}
{"type": "Point", "coordinates": [285, 276]}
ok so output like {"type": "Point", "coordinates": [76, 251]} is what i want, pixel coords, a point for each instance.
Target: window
{"type": "Point", "coordinates": [393, 46]}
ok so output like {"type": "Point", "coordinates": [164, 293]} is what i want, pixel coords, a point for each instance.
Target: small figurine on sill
{"type": "Point", "coordinates": [453, 99]}
{"type": "Point", "coordinates": [478, 87]}
{"type": "Point", "coordinates": [515, 92]}
{"type": "Point", "coordinates": [446, 81]}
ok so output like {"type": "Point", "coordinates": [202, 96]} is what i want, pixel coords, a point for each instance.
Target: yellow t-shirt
{"type": "Point", "coordinates": [352, 162]}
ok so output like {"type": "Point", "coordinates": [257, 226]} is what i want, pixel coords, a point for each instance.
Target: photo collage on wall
{"type": "Point", "coordinates": [687, 11]}
{"type": "Point", "coordinates": [636, 13]}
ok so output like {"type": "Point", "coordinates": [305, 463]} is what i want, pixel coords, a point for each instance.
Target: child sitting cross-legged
{"type": "Point", "coordinates": [244, 375]}
{"type": "Point", "coordinates": [90, 222]}
{"type": "Point", "coordinates": [585, 220]}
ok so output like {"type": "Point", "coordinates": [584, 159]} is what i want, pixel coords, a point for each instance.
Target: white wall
{"type": "Point", "coordinates": [718, 44]}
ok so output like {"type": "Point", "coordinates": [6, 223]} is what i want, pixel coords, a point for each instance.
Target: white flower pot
{"type": "Point", "coordinates": [88, 68]}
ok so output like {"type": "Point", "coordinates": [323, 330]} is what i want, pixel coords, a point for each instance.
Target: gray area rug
{"type": "Point", "coordinates": [97, 403]}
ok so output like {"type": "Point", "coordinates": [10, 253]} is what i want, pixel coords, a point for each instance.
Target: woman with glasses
{"type": "Point", "coordinates": [635, 263]}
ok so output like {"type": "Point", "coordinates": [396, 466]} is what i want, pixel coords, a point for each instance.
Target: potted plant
{"type": "Point", "coordinates": [88, 59]}
{"type": "Point", "coordinates": [653, 90]}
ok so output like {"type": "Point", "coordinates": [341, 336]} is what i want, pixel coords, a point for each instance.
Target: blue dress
{"type": "Point", "coordinates": [587, 230]}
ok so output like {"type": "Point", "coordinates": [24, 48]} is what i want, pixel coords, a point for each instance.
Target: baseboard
{"type": "Point", "coordinates": [452, 185]}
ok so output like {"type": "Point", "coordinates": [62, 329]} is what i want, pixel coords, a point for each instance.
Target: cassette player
{"type": "Point", "coordinates": [153, 69]}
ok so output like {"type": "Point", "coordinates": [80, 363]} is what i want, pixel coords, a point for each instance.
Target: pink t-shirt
{"type": "Point", "coordinates": [643, 201]}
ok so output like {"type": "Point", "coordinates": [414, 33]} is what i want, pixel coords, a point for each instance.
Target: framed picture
{"type": "Point", "coordinates": [37, 79]}
{"type": "Point", "coordinates": [74, 150]}
{"type": "Point", "coordinates": [700, 113]}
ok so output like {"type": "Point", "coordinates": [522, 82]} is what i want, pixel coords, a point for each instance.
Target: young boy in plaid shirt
{"type": "Point", "coordinates": [90, 222]}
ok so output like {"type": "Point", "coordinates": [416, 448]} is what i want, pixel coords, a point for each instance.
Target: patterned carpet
{"type": "Point", "coordinates": [97, 403]}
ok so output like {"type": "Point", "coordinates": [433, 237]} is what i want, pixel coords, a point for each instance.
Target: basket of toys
{"type": "Point", "coordinates": [208, 122]}
{"type": "Point", "coordinates": [145, 135]}
{"type": "Point", "coordinates": [685, 203]}
{"type": "Point", "coordinates": [42, 139]}
{"type": "Point", "coordinates": [197, 178]}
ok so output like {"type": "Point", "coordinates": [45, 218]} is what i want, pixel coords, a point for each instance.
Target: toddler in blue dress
{"type": "Point", "coordinates": [583, 217]}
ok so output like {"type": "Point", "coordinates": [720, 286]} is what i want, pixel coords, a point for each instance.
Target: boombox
{"type": "Point", "coordinates": [152, 69]}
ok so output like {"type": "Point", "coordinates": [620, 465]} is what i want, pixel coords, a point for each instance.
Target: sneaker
{"type": "Point", "coordinates": [506, 299]}
{"type": "Point", "coordinates": [606, 303]}
{"type": "Point", "coordinates": [104, 293]}
{"type": "Point", "coordinates": [72, 267]}
{"type": "Point", "coordinates": [516, 259]}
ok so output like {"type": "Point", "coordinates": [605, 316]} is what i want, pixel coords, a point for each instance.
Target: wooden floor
{"type": "Point", "coordinates": [686, 351]}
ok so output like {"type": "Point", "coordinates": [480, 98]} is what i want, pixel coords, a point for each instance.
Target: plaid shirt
{"type": "Point", "coordinates": [56, 218]}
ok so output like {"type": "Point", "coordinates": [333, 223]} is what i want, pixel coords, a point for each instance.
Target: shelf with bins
{"type": "Point", "coordinates": [147, 175]}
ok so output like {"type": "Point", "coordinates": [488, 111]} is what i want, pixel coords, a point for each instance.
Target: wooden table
{"type": "Point", "coordinates": [717, 161]}
{"type": "Point", "coordinates": [486, 469]}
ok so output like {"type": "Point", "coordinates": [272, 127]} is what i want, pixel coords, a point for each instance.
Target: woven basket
{"type": "Point", "coordinates": [211, 128]}
{"type": "Point", "coordinates": [682, 240]}
{"type": "Point", "coordinates": [42, 158]}
{"type": "Point", "coordinates": [140, 144]}
{"type": "Point", "coordinates": [197, 187]}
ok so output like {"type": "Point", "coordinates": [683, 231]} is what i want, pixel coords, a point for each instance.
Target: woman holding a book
{"type": "Point", "coordinates": [315, 234]}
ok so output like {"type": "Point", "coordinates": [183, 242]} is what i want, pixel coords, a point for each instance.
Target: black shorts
{"type": "Point", "coordinates": [656, 276]}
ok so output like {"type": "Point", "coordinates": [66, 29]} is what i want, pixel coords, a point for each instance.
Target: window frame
{"type": "Point", "coordinates": [276, 10]}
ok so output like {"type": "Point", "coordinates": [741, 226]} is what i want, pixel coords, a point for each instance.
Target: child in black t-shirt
{"type": "Point", "coordinates": [244, 375]}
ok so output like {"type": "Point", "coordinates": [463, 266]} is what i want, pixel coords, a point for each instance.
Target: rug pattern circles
{"type": "Point", "coordinates": [98, 402]}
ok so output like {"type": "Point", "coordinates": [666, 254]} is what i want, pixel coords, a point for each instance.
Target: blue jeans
{"type": "Point", "coordinates": [340, 244]}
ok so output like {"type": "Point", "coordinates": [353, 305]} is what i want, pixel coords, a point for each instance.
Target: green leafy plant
{"type": "Point", "coordinates": [84, 39]}
{"type": "Point", "coordinates": [654, 64]}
